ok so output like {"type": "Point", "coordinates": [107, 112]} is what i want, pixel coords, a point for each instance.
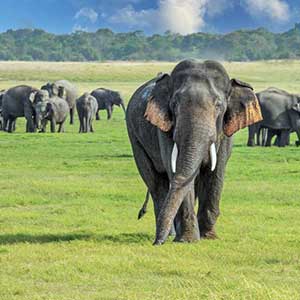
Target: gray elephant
{"type": "Point", "coordinates": [64, 89]}
{"type": "Point", "coordinates": [87, 107]}
{"type": "Point", "coordinates": [55, 110]}
{"type": "Point", "coordinates": [180, 129]}
{"type": "Point", "coordinates": [20, 101]}
{"type": "Point", "coordinates": [281, 115]}
{"type": "Point", "coordinates": [106, 100]}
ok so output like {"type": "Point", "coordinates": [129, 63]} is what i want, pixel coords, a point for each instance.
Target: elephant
{"type": "Point", "coordinates": [87, 107]}
{"type": "Point", "coordinates": [54, 110]}
{"type": "Point", "coordinates": [180, 127]}
{"type": "Point", "coordinates": [20, 101]}
{"type": "Point", "coordinates": [64, 89]}
{"type": "Point", "coordinates": [281, 116]}
{"type": "Point", "coordinates": [106, 101]}
{"type": "Point", "coordinates": [263, 134]}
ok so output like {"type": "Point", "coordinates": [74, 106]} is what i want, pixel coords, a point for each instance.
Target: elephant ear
{"type": "Point", "coordinates": [157, 110]}
{"type": "Point", "coordinates": [243, 107]}
{"type": "Point", "coordinates": [32, 96]}
{"type": "Point", "coordinates": [296, 107]}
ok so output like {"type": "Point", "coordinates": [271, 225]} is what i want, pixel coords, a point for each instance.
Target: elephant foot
{"type": "Point", "coordinates": [209, 234]}
{"type": "Point", "coordinates": [188, 235]}
{"type": "Point", "coordinates": [250, 144]}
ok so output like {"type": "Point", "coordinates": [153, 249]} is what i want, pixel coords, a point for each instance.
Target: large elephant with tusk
{"type": "Point", "coordinates": [180, 127]}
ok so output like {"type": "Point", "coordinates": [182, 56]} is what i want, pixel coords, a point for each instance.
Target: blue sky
{"type": "Point", "coordinates": [151, 16]}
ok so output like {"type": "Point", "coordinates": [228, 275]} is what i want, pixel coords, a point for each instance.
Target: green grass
{"type": "Point", "coordinates": [69, 204]}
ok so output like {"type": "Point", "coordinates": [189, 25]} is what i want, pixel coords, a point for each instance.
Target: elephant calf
{"type": "Point", "coordinates": [54, 110]}
{"type": "Point", "coordinates": [66, 90]}
{"type": "Point", "coordinates": [87, 107]}
{"type": "Point", "coordinates": [106, 100]}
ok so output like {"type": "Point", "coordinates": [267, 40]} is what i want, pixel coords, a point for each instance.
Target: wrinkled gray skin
{"type": "Point", "coordinates": [198, 98]}
{"type": "Point", "coordinates": [281, 114]}
{"type": "Point", "coordinates": [55, 110]}
{"type": "Point", "coordinates": [87, 107]}
{"type": "Point", "coordinates": [18, 102]}
{"type": "Point", "coordinates": [64, 89]}
{"type": "Point", "coordinates": [106, 100]}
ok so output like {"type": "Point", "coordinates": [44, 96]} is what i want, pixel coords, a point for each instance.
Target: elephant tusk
{"type": "Point", "coordinates": [174, 158]}
{"type": "Point", "coordinates": [213, 156]}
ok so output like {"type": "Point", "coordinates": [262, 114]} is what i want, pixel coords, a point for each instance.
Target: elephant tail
{"type": "Point", "coordinates": [143, 210]}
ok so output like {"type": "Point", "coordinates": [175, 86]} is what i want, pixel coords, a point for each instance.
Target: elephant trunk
{"type": "Point", "coordinates": [195, 148]}
{"type": "Point", "coordinates": [123, 107]}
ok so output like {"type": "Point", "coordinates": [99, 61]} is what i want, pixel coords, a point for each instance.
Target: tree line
{"type": "Point", "coordinates": [104, 44]}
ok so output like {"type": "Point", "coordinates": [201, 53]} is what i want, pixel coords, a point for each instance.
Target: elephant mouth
{"type": "Point", "coordinates": [212, 157]}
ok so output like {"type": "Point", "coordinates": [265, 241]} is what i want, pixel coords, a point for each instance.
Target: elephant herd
{"type": "Point", "coordinates": [180, 126]}
{"type": "Point", "coordinates": [53, 103]}
{"type": "Point", "coordinates": [281, 117]}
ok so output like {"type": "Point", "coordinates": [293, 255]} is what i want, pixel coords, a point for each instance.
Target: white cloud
{"type": "Point", "coordinates": [88, 13]}
{"type": "Point", "coordinates": [277, 10]}
{"type": "Point", "coordinates": [78, 27]}
{"type": "Point", "coordinates": [132, 18]}
{"type": "Point", "coordinates": [178, 16]}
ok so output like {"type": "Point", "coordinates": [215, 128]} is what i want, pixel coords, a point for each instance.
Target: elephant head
{"type": "Point", "coordinates": [54, 90]}
{"type": "Point", "coordinates": [40, 114]}
{"type": "Point", "coordinates": [38, 98]}
{"type": "Point", "coordinates": [197, 104]}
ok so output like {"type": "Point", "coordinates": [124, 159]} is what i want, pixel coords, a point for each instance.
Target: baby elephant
{"type": "Point", "coordinates": [55, 110]}
{"type": "Point", "coordinates": [87, 107]}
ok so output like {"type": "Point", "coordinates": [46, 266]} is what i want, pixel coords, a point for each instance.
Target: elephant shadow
{"type": "Point", "coordinates": [122, 238]}
{"type": "Point", "coordinates": [10, 239]}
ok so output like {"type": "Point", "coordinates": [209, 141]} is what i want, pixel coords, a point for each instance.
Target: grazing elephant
{"type": "Point", "coordinates": [20, 101]}
{"type": "Point", "coordinates": [87, 107]}
{"type": "Point", "coordinates": [281, 115]}
{"type": "Point", "coordinates": [54, 110]}
{"type": "Point", "coordinates": [180, 129]}
{"type": "Point", "coordinates": [106, 100]}
{"type": "Point", "coordinates": [64, 89]}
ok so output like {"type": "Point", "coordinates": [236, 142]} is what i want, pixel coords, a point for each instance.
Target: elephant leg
{"type": "Point", "coordinates": [52, 126]}
{"type": "Point", "coordinates": [72, 111]}
{"type": "Point", "coordinates": [109, 112]}
{"type": "Point", "coordinates": [209, 189]}
{"type": "Point", "coordinates": [91, 125]}
{"type": "Point", "coordinates": [60, 128]}
{"type": "Point", "coordinates": [258, 137]}
{"type": "Point", "coordinates": [29, 125]}
{"type": "Point", "coordinates": [270, 135]}
{"type": "Point", "coordinates": [81, 123]}
{"type": "Point", "coordinates": [10, 125]}
{"type": "Point", "coordinates": [97, 115]}
{"type": "Point", "coordinates": [283, 138]}
{"type": "Point", "coordinates": [186, 222]}
{"type": "Point", "coordinates": [264, 136]}
{"type": "Point", "coordinates": [157, 184]}
{"type": "Point", "coordinates": [251, 135]}
{"type": "Point", "coordinates": [298, 135]}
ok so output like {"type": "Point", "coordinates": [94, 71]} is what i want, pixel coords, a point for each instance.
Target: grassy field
{"type": "Point", "coordinates": [69, 204]}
